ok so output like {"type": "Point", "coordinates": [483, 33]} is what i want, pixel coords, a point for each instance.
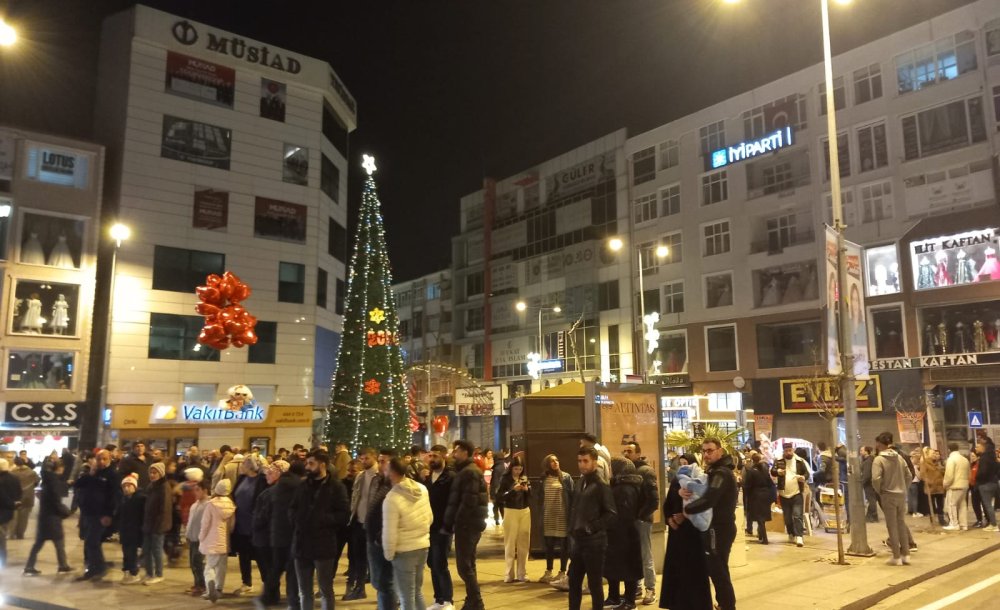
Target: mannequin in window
{"type": "Point", "coordinates": [894, 277]}
{"type": "Point", "coordinates": [995, 341]}
{"type": "Point", "coordinates": [941, 275]}
{"type": "Point", "coordinates": [942, 338]}
{"type": "Point", "coordinates": [793, 290]}
{"type": "Point", "coordinates": [991, 268]}
{"type": "Point", "coordinates": [925, 274]}
{"type": "Point", "coordinates": [60, 255]}
{"type": "Point", "coordinates": [56, 377]}
{"type": "Point", "coordinates": [60, 315]}
{"type": "Point", "coordinates": [930, 341]}
{"type": "Point", "coordinates": [31, 250]}
{"type": "Point", "coordinates": [978, 336]}
{"type": "Point", "coordinates": [31, 321]}
{"type": "Point", "coordinates": [966, 271]}
{"type": "Point", "coordinates": [771, 294]}
{"type": "Point", "coordinates": [961, 341]}
{"type": "Point", "coordinates": [881, 280]}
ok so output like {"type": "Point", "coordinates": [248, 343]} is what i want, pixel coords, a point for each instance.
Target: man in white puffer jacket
{"type": "Point", "coordinates": [956, 483]}
{"type": "Point", "coordinates": [406, 524]}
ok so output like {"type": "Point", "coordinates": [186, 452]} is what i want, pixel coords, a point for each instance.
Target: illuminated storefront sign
{"type": "Point", "coordinates": [207, 413]}
{"type": "Point", "coordinates": [748, 150]}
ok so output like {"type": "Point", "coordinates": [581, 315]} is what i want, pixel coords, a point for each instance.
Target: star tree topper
{"type": "Point", "coordinates": [376, 315]}
{"type": "Point", "coordinates": [369, 164]}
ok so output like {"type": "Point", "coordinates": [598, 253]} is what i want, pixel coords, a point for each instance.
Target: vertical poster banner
{"type": "Point", "coordinates": [273, 96]}
{"type": "Point", "coordinates": [632, 417]}
{"type": "Point", "coordinates": [831, 293]}
{"type": "Point", "coordinates": [911, 427]}
{"type": "Point", "coordinates": [211, 209]}
{"type": "Point", "coordinates": [764, 425]}
{"type": "Point", "coordinates": [857, 325]}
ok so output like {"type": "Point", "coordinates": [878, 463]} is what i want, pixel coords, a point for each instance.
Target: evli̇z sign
{"type": "Point", "coordinates": [187, 34]}
{"type": "Point", "coordinates": [753, 148]}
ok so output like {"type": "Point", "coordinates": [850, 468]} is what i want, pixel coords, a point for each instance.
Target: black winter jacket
{"type": "Point", "coordinates": [468, 499]}
{"type": "Point", "coordinates": [650, 490]}
{"type": "Point", "coordinates": [439, 492]}
{"type": "Point", "coordinates": [282, 494]}
{"type": "Point", "coordinates": [593, 510]}
{"type": "Point", "coordinates": [373, 520]}
{"type": "Point", "coordinates": [10, 495]}
{"type": "Point", "coordinates": [318, 509]}
{"type": "Point", "coordinates": [720, 496]}
{"type": "Point", "coordinates": [507, 497]}
{"type": "Point", "coordinates": [98, 493]}
{"type": "Point", "coordinates": [51, 510]}
{"type": "Point", "coordinates": [130, 518]}
{"type": "Point", "coordinates": [131, 464]}
{"type": "Point", "coordinates": [260, 529]}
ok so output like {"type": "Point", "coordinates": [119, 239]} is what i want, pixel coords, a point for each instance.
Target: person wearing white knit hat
{"type": "Point", "coordinates": [213, 539]}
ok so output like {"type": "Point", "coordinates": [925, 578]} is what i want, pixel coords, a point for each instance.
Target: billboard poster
{"type": "Point", "coordinates": [581, 176]}
{"type": "Point", "coordinates": [628, 417]}
{"type": "Point", "coordinates": [764, 425]}
{"type": "Point", "coordinates": [273, 96]}
{"type": "Point", "coordinates": [911, 427]}
{"type": "Point", "coordinates": [274, 219]}
{"type": "Point", "coordinates": [211, 209]}
{"type": "Point", "coordinates": [953, 260]}
{"type": "Point", "coordinates": [199, 79]}
{"type": "Point", "coordinates": [478, 401]}
{"type": "Point", "coordinates": [858, 329]}
{"type": "Point", "coordinates": [195, 142]}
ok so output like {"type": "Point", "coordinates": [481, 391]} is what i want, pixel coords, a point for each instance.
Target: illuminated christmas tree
{"type": "Point", "coordinates": [368, 404]}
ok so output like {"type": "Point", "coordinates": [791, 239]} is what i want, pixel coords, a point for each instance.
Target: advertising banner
{"type": "Point", "coordinates": [953, 260]}
{"type": "Point", "coordinates": [195, 142]}
{"type": "Point", "coordinates": [581, 176]}
{"type": "Point", "coordinates": [797, 394]}
{"type": "Point", "coordinates": [764, 426]}
{"type": "Point", "coordinates": [211, 209]}
{"type": "Point", "coordinates": [631, 417]}
{"type": "Point", "coordinates": [484, 400]}
{"type": "Point", "coordinates": [199, 79]}
{"type": "Point", "coordinates": [858, 328]}
{"type": "Point", "coordinates": [911, 427]}
{"type": "Point", "coordinates": [274, 219]}
{"type": "Point", "coordinates": [273, 97]}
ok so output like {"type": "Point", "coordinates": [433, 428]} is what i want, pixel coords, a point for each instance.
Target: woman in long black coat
{"type": "Point", "coordinates": [623, 559]}
{"type": "Point", "coordinates": [685, 574]}
{"type": "Point", "coordinates": [51, 512]}
{"type": "Point", "coordinates": [759, 493]}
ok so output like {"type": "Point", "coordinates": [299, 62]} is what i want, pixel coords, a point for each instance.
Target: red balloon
{"type": "Point", "coordinates": [207, 309]}
{"type": "Point", "coordinates": [234, 328]}
{"type": "Point", "coordinates": [440, 424]}
{"type": "Point", "coordinates": [221, 344]}
{"type": "Point", "coordinates": [209, 294]}
{"type": "Point", "coordinates": [240, 293]}
{"type": "Point", "coordinates": [237, 342]}
{"type": "Point", "coordinates": [213, 280]}
{"type": "Point", "coordinates": [249, 337]}
{"type": "Point", "coordinates": [249, 320]}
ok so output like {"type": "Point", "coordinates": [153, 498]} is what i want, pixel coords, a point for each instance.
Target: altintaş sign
{"type": "Point", "coordinates": [207, 413]}
{"type": "Point", "coordinates": [748, 150]}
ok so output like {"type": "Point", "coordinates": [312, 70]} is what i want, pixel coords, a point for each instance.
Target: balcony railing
{"type": "Point", "coordinates": [776, 246]}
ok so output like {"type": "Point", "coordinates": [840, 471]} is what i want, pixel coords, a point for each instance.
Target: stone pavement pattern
{"type": "Point", "coordinates": [825, 585]}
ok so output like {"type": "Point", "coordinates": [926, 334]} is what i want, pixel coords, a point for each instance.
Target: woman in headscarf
{"type": "Point", "coordinates": [685, 575]}
{"type": "Point", "coordinates": [557, 497]}
{"type": "Point", "coordinates": [623, 559]}
{"type": "Point", "coordinates": [759, 495]}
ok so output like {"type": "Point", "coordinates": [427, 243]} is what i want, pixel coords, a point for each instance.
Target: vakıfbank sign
{"type": "Point", "coordinates": [753, 148]}
{"type": "Point", "coordinates": [205, 413]}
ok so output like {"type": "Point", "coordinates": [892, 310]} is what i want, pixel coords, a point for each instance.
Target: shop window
{"type": "Point", "coordinates": [607, 295]}
{"type": "Point", "coordinates": [936, 62]}
{"type": "Point", "coordinates": [958, 259]}
{"type": "Point", "coordinates": [785, 284]}
{"type": "Point", "coordinates": [53, 241]}
{"type": "Point", "coordinates": [173, 337]}
{"type": "Point", "coordinates": [291, 283]}
{"type": "Point", "coordinates": [322, 285]}
{"type": "Point", "coordinates": [882, 270]}
{"type": "Point", "coordinates": [839, 95]}
{"type": "Point", "coordinates": [785, 345]}
{"type": "Point", "coordinates": [943, 128]}
{"type": "Point", "coordinates": [960, 328]}
{"type": "Point", "coordinates": [725, 401]}
{"type": "Point", "coordinates": [329, 178]}
{"type": "Point", "coordinates": [887, 329]}
{"type": "Point", "coordinates": [266, 348]}
{"type": "Point", "coordinates": [200, 392]}
{"type": "Point", "coordinates": [672, 352]}
{"type": "Point", "coordinates": [720, 343]}
{"type": "Point", "coordinates": [644, 165]}
{"type": "Point", "coordinates": [295, 164]}
{"type": "Point", "coordinates": [39, 370]}
{"type": "Point", "coordinates": [45, 308]}
{"type": "Point", "coordinates": [867, 84]}
{"type": "Point", "coordinates": [670, 200]}
{"type": "Point", "coordinates": [719, 290]}
{"type": "Point", "coordinates": [180, 270]}
{"type": "Point", "coordinates": [6, 209]}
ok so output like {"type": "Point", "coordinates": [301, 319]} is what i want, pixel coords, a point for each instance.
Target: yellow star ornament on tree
{"type": "Point", "coordinates": [376, 315]}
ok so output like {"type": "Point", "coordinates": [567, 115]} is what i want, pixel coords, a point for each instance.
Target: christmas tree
{"type": "Point", "coordinates": [368, 406]}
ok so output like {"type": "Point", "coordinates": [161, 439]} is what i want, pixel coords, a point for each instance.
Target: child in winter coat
{"type": "Point", "coordinates": [694, 480]}
{"type": "Point", "coordinates": [213, 538]}
{"type": "Point", "coordinates": [196, 558]}
{"type": "Point", "coordinates": [130, 515]}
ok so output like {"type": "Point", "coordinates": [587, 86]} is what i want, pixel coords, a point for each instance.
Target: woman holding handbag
{"type": "Point", "coordinates": [51, 512]}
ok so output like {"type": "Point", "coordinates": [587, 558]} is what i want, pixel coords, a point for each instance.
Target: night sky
{"type": "Point", "coordinates": [451, 91]}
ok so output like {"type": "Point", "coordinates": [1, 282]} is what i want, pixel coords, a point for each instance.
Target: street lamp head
{"type": "Point", "coordinates": [520, 306]}
{"type": "Point", "coordinates": [843, 2]}
{"type": "Point", "coordinates": [8, 35]}
{"type": "Point", "coordinates": [662, 251]}
{"type": "Point", "coordinates": [557, 309]}
{"type": "Point", "coordinates": [616, 244]}
{"type": "Point", "coordinates": [120, 232]}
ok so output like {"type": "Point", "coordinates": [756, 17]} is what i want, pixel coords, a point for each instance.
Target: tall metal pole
{"type": "Point", "coordinates": [642, 312]}
{"type": "Point", "coordinates": [103, 404]}
{"type": "Point", "coordinates": [540, 354]}
{"type": "Point", "coordinates": [856, 510]}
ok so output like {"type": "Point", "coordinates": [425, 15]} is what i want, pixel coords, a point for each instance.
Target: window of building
{"type": "Point", "coordinates": [541, 226]}
{"type": "Point", "coordinates": [675, 247]}
{"type": "Point", "coordinates": [873, 149]}
{"type": "Point", "coordinates": [329, 178]}
{"type": "Point", "coordinates": [867, 84]}
{"type": "Point", "coordinates": [778, 178]}
{"type": "Point", "coordinates": [337, 241]}
{"type": "Point", "coordinates": [725, 401]}
{"type": "Point", "coordinates": [843, 156]}
{"type": "Point", "coordinates": [474, 284]}
{"type": "Point", "coordinates": [993, 45]}
{"type": "Point", "coordinates": [650, 301]}
{"type": "Point", "coordinates": [607, 295]}
{"type": "Point", "coordinates": [780, 232]}
{"type": "Point", "coordinates": [433, 291]}
{"type": "Point", "coordinates": [338, 298]}
{"type": "Point", "coordinates": [670, 200]}
{"type": "Point", "coordinates": [614, 353]}
{"type": "Point", "coordinates": [719, 289]}
{"type": "Point", "coordinates": [173, 337]}
{"type": "Point", "coordinates": [334, 131]}
{"type": "Point", "coordinates": [713, 137]}
{"type": "Point", "coordinates": [474, 319]}
{"type": "Point", "coordinates": [40, 370]}
{"type": "Point", "coordinates": [669, 154]}
{"type": "Point", "coordinates": [295, 164]}
{"type": "Point", "coordinates": [768, 118]}
{"type": "Point", "coordinates": [936, 62]}
{"type": "Point", "coordinates": [887, 330]}
{"type": "Point", "coordinates": [266, 349]}
{"type": "Point", "coordinates": [714, 187]}
{"type": "Point", "coordinates": [673, 297]}
{"type": "Point", "coordinates": [846, 204]}
{"type": "Point", "coordinates": [322, 285]}
{"type": "Point", "coordinates": [784, 345]}
{"type": "Point", "coordinates": [876, 201]}
{"type": "Point", "coordinates": [720, 343]}
{"type": "Point", "coordinates": [644, 165]}
{"type": "Point", "coordinates": [200, 392]}
{"type": "Point", "coordinates": [644, 208]}
{"type": "Point", "coordinates": [951, 329]}
{"type": "Point", "coordinates": [882, 270]}
{"type": "Point", "coordinates": [943, 128]}
{"type": "Point", "coordinates": [6, 211]}
{"type": "Point", "coordinates": [716, 238]}
{"type": "Point", "coordinates": [291, 283]}
{"type": "Point", "coordinates": [647, 256]}
{"type": "Point", "coordinates": [785, 284]}
{"type": "Point", "coordinates": [777, 173]}
{"type": "Point", "coordinates": [672, 352]}
{"type": "Point", "coordinates": [839, 95]}
{"type": "Point", "coordinates": [180, 270]}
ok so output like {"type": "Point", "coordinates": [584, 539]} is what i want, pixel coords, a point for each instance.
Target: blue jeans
{"type": "Point", "coordinates": [646, 543]}
{"type": "Point", "coordinates": [437, 561]}
{"type": "Point", "coordinates": [408, 574]}
{"type": "Point", "coordinates": [381, 576]}
{"type": "Point", "coordinates": [152, 550]}
{"type": "Point", "coordinates": [792, 509]}
{"type": "Point", "coordinates": [988, 492]}
{"type": "Point", "coordinates": [323, 569]}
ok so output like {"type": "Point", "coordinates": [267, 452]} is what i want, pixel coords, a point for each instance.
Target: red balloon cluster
{"type": "Point", "coordinates": [226, 321]}
{"type": "Point", "coordinates": [440, 423]}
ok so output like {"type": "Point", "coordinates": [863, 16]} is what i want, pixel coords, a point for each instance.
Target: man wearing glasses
{"type": "Point", "coordinates": [721, 498]}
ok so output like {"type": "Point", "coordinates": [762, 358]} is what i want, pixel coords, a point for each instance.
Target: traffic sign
{"type": "Point", "coordinates": [975, 419]}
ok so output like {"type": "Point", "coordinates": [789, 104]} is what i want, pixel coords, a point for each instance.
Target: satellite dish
{"type": "Point", "coordinates": [739, 382]}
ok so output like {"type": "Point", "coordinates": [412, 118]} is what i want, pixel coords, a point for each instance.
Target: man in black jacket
{"type": "Point", "coordinates": [465, 517]}
{"type": "Point", "coordinates": [98, 491]}
{"type": "Point", "coordinates": [319, 507]}
{"type": "Point", "coordinates": [273, 505]}
{"type": "Point", "coordinates": [136, 462]}
{"type": "Point", "coordinates": [721, 498]}
{"type": "Point", "coordinates": [439, 489]}
{"type": "Point", "coordinates": [792, 473]}
{"type": "Point", "coordinates": [379, 567]}
{"type": "Point", "coordinates": [650, 497]}
{"type": "Point", "coordinates": [592, 513]}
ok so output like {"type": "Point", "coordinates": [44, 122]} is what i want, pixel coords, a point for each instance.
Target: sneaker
{"type": "Point", "coordinates": [894, 561]}
{"type": "Point", "coordinates": [561, 583]}
{"type": "Point", "coordinates": [547, 577]}
{"type": "Point", "coordinates": [197, 591]}
{"type": "Point", "coordinates": [447, 606]}
{"type": "Point", "coordinates": [649, 598]}
{"type": "Point", "coordinates": [31, 572]}
{"type": "Point", "coordinates": [791, 538]}
{"type": "Point", "coordinates": [213, 592]}
{"type": "Point", "coordinates": [435, 606]}
{"type": "Point", "coordinates": [963, 528]}
{"type": "Point", "coordinates": [950, 528]}
{"type": "Point", "coordinates": [913, 546]}
{"type": "Point", "coordinates": [918, 515]}
{"type": "Point", "coordinates": [155, 580]}
{"type": "Point", "coordinates": [612, 603]}
{"type": "Point", "coordinates": [990, 528]}
{"type": "Point", "coordinates": [66, 569]}
{"type": "Point", "coordinates": [130, 579]}
{"type": "Point", "coordinates": [906, 560]}
{"type": "Point", "coordinates": [243, 590]}
{"type": "Point", "coordinates": [798, 542]}
{"type": "Point", "coordinates": [508, 579]}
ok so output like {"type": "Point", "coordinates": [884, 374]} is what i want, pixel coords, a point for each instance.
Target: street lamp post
{"type": "Point", "coordinates": [522, 306]}
{"type": "Point", "coordinates": [8, 35]}
{"type": "Point", "coordinates": [661, 252]}
{"type": "Point", "coordinates": [119, 233]}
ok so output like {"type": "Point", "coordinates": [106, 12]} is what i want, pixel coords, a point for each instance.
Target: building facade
{"type": "Point", "coordinates": [740, 193]}
{"type": "Point", "coordinates": [225, 154]}
{"type": "Point", "coordinates": [50, 208]}
{"type": "Point", "coordinates": [425, 318]}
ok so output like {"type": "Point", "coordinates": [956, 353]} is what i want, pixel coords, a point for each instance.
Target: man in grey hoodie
{"type": "Point", "coordinates": [890, 478]}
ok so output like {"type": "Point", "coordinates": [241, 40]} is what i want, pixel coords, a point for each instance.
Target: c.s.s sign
{"type": "Point", "coordinates": [34, 413]}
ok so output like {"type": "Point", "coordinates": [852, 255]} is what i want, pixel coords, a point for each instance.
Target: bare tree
{"type": "Point", "coordinates": [572, 346]}
{"type": "Point", "coordinates": [824, 392]}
